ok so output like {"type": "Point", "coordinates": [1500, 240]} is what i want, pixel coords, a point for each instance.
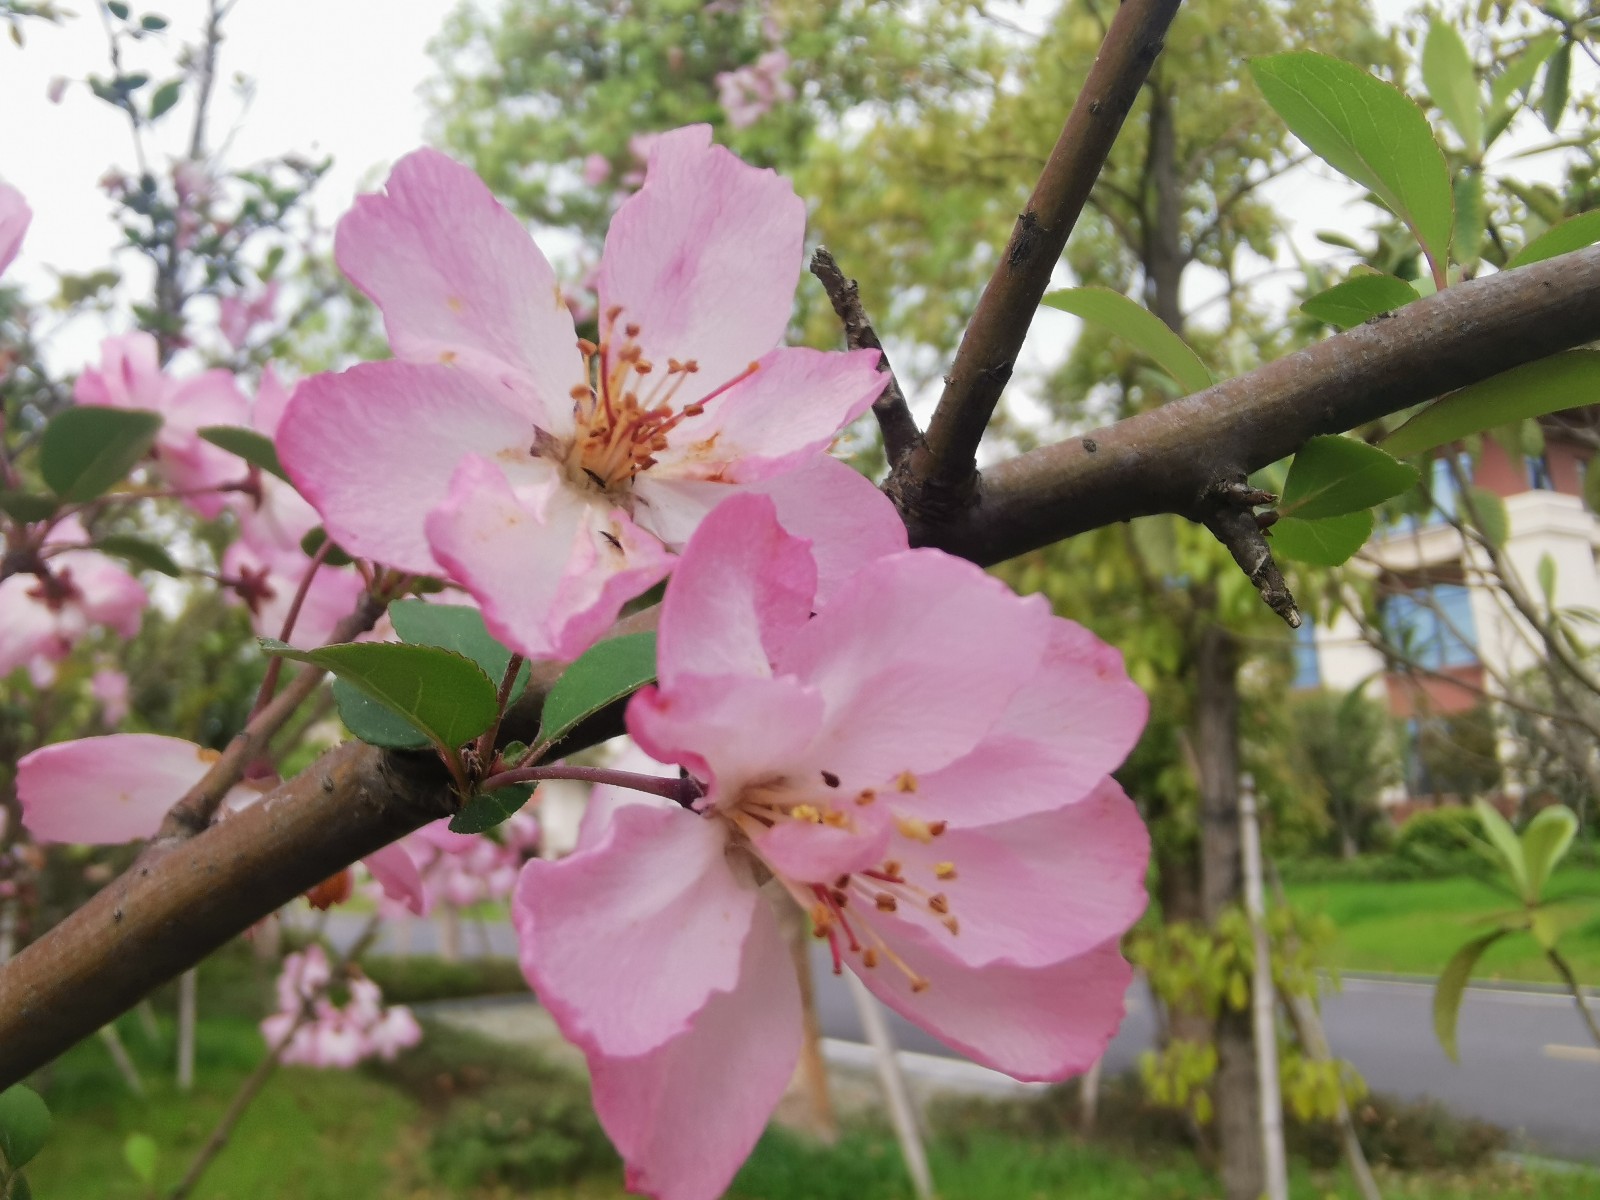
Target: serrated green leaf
{"type": "Point", "coordinates": [444, 694]}
{"type": "Point", "coordinates": [85, 450]}
{"type": "Point", "coordinates": [28, 506]}
{"type": "Point", "coordinates": [1359, 299]}
{"type": "Point", "coordinates": [1452, 983]}
{"type": "Point", "coordinates": [488, 809]}
{"type": "Point", "coordinates": [1332, 476]}
{"type": "Point", "coordinates": [1452, 83]}
{"type": "Point", "coordinates": [1545, 842]}
{"type": "Point", "coordinates": [1139, 327]}
{"type": "Point", "coordinates": [1572, 234]}
{"type": "Point", "coordinates": [460, 628]}
{"type": "Point", "coordinates": [165, 97]}
{"type": "Point", "coordinates": [1369, 130]}
{"type": "Point", "coordinates": [140, 1153]}
{"type": "Point", "coordinates": [1534, 389]}
{"type": "Point", "coordinates": [373, 723]}
{"type": "Point", "coordinates": [24, 1125]}
{"type": "Point", "coordinates": [1325, 543]}
{"type": "Point", "coordinates": [606, 672]}
{"type": "Point", "coordinates": [255, 448]}
{"type": "Point", "coordinates": [1557, 79]}
{"type": "Point", "coordinates": [139, 552]}
{"type": "Point", "coordinates": [1489, 515]}
{"type": "Point", "coordinates": [1503, 839]}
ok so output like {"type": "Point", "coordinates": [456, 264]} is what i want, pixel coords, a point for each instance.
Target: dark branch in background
{"type": "Point", "coordinates": [941, 474]}
{"type": "Point", "coordinates": [900, 433]}
{"type": "Point", "coordinates": [181, 900]}
{"type": "Point", "coordinates": [1174, 458]}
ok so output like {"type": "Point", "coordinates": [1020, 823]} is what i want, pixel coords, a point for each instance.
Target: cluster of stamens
{"type": "Point", "coordinates": [840, 910]}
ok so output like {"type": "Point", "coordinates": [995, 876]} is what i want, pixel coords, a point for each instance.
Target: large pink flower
{"type": "Point", "coordinates": [130, 376]}
{"type": "Point", "coordinates": [554, 477]}
{"type": "Point", "coordinates": [916, 756]}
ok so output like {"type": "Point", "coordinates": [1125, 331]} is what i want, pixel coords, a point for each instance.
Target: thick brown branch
{"type": "Point", "coordinates": [941, 471]}
{"type": "Point", "coordinates": [900, 432]}
{"type": "Point", "coordinates": [1172, 458]}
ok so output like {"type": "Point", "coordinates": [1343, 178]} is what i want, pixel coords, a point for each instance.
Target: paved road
{"type": "Point", "coordinates": [1526, 1060]}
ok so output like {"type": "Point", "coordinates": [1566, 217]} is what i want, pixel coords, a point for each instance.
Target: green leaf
{"type": "Point", "coordinates": [1452, 83]}
{"type": "Point", "coordinates": [371, 722]}
{"type": "Point", "coordinates": [1532, 390]}
{"type": "Point", "coordinates": [1545, 842]}
{"type": "Point", "coordinates": [151, 23]}
{"type": "Point", "coordinates": [1509, 87]}
{"type": "Point", "coordinates": [140, 1153]}
{"type": "Point", "coordinates": [165, 97]}
{"type": "Point", "coordinates": [312, 542]}
{"type": "Point", "coordinates": [1332, 476]}
{"type": "Point", "coordinates": [1572, 234]}
{"type": "Point", "coordinates": [255, 448]}
{"type": "Point", "coordinates": [1471, 217]}
{"type": "Point", "coordinates": [117, 9]}
{"type": "Point", "coordinates": [444, 694]}
{"type": "Point", "coordinates": [1547, 579]}
{"type": "Point", "coordinates": [460, 628]}
{"type": "Point", "coordinates": [1452, 983]}
{"type": "Point", "coordinates": [1325, 543]}
{"type": "Point", "coordinates": [24, 1125]}
{"type": "Point", "coordinates": [606, 672]}
{"type": "Point", "coordinates": [139, 552]}
{"type": "Point", "coordinates": [488, 809]}
{"type": "Point", "coordinates": [85, 450]}
{"type": "Point", "coordinates": [1369, 130]}
{"type": "Point", "coordinates": [1557, 77]}
{"type": "Point", "coordinates": [20, 1188]}
{"type": "Point", "coordinates": [1505, 844]}
{"type": "Point", "coordinates": [1138, 326]}
{"type": "Point", "coordinates": [1359, 299]}
{"type": "Point", "coordinates": [29, 506]}
{"type": "Point", "coordinates": [1489, 513]}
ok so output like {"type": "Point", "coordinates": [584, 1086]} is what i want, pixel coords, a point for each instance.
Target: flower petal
{"type": "Point", "coordinates": [397, 874]}
{"type": "Point", "coordinates": [892, 705]}
{"type": "Point", "coordinates": [626, 942]}
{"type": "Point", "coordinates": [685, 1116]}
{"type": "Point", "coordinates": [550, 570]}
{"type": "Point", "coordinates": [1033, 1023]}
{"type": "Point", "coordinates": [373, 448]}
{"type": "Point", "coordinates": [103, 790]}
{"type": "Point", "coordinates": [841, 512]}
{"type": "Point", "coordinates": [791, 407]}
{"type": "Point", "coordinates": [1032, 891]}
{"type": "Point", "coordinates": [459, 280]}
{"type": "Point", "coordinates": [14, 217]}
{"type": "Point", "coordinates": [704, 257]}
{"type": "Point", "coordinates": [741, 588]}
{"type": "Point", "coordinates": [807, 852]}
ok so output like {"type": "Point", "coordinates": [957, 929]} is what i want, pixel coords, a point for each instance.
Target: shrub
{"type": "Point", "coordinates": [418, 979]}
{"type": "Point", "coordinates": [1438, 835]}
{"type": "Point", "coordinates": [536, 1134]}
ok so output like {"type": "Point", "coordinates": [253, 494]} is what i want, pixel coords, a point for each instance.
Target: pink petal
{"type": "Point", "coordinates": [550, 570]}
{"type": "Point", "coordinates": [107, 594]}
{"type": "Point", "coordinates": [27, 627]}
{"type": "Point", "coordinates": [741, 588]}
{"type": "Point", "coordinates": [397, 874]}
{"type": "Point", "coordinates": [1073, 722]}
{"type": "Point", "coordinates": [727, 730]}
{"type": "Point", "coordinates": [373, 448]}
{"type": "Point", "coordinates": [104, 790]}
{"type": "Point", "coordinates": [1032, 891]}
{"type": "Point", "coordinates": [626, 942]}
{"type": "Point", "coordinates": [459, 280]}
{"type": "Point", "coordinates": [810, 853]}
{"type": "Point", "coordinates": [893, 705]}
{"type": "Point", "coordinates": [129, 375]}
{"type": "Point", "coordinates": [847, 520]}
{"type": "Point", "coordinates": [14, 217]}
{"type": "Point", "coordinates": [1033, 1023]}
{"type": "Point", "coordinates": [791, 408]}
{"type": "Point", "coordinates": [685, 1116]}
{"type": "Point", "coordinates": [272, 397]}
{"type": "Point", "coordinates": [705, 257]}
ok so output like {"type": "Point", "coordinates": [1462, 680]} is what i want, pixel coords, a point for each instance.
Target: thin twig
{"type": "Point", "coordinates": [942, 472]}
{"type": "Point", "coordinates": [269, 681]}
{"type": "Point", "coordinates": [899, 427]}
{"type": "Point", "coordinates": [1561, 965]}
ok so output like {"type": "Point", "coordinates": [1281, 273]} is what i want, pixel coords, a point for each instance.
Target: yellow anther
{"type": "Point", "coordinates": [938, 827]}
{"type": "Point", "coordinates": [885, 902]}
{"type": "Point", "coordinates": [806, 812]}
{"type": "Point", "coordinates": [891, 866]}
{"type": "Point", "coordinates": [945, 870]}
{"type": "Point", "coordinates": [906, 783]}
{"type": "Point", "coordinates": [952, 925]}
{"type": "Point", "coordinates": [918, 984]}
{"type": "Point", "coordinates": [835, 818]}
{"type": "Point", "coordinates": [914, 828]}
{"type": "Point", "coordinates": [869, 958]}
{"type": "Point", "coordinates": [821, 922]}
{"type": "Point", "coordinates": [939, 902]}
{"type": "Point", "coordinates": [866, 797]}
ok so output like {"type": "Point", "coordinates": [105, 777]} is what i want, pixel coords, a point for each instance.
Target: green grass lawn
{"type": "Point", "coordinates": [1415, 927]}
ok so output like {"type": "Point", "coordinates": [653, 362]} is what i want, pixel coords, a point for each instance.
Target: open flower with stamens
{"type": "Point", "coordinates": [554, 476]}
{"type": "Point", "coordinates": [916, 756]}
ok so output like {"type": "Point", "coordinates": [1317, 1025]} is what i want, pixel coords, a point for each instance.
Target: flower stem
{"type": "Point", "coordinates": [684, 791]}
{"type": "Point", "coordinates": [1565, 968]}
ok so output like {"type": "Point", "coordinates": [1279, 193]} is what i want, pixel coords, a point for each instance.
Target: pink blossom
{"type": "Point", "coordinates": [109, 687]}
{"type": "Point", "coordinates": [596, 169]}
{"type": "Point", "coordinates": [14, 217]}
{"type": "Point", "coordinates": [749, 93]}
{"type": "Point", "coordinates": [313, 1031]}
{"type": "Point", "coordinates": [130, 376]}
{"type": "Point", "coordinates": [461, 870]}
{"type": "Point", "coordinates": [237, 317]}
{"type": "Point", "coordinates": [100, 791]}
{"type": "Point", "coordinates": [56, 88]}
{"type": "Point", "coordinates": [920, 759]}
{"type": "Point", "coordinates": [554, 479]}
{"type": "Point", "coordinates": [41, 619]}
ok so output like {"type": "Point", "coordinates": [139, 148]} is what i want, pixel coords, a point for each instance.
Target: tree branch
{"type": "Point", "coordinates": [941, 473]}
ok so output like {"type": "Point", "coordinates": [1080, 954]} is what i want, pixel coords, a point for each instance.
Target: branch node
{"type": "Point", "coordinates": [1233, 522]}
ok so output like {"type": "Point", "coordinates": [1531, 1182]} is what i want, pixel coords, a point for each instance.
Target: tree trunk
{"type": "Point", "coordinates": [1216, 745]}
{"type": "Point", "coordinates": [1163, 255]}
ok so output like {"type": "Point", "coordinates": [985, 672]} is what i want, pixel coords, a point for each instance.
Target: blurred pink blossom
{"type": "Point", "coordinates": [749, 93]}
{"type": "Point", "coordinates": [313, 1031]}
{"type": "Point", "coordinates": [109, 687]}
